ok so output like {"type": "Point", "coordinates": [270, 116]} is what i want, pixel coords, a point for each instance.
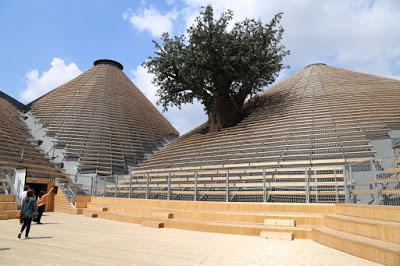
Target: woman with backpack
{"type": "Point", "coordinates": [28, 211]}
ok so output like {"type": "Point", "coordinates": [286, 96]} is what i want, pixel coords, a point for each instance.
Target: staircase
{"type": "Point", "coordinates": [282, 221]}
{"type": "Point", "coordinates": [8, 207]}
{"type": "Point", "coordinates": [369, 232]}
{"type": "Point", "coordinates": [67, 203]}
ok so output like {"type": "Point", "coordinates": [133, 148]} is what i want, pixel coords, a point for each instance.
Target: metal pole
{"type": "Point", "coordinates": [147, 186]}
{"type": "Point", "coordinates": [375, 187]}
{"type": "Point", "coordinates": [116, 185]}
{"type": "Point", "coordinates": [169, 186]}
{"type": "Point", "coordinates": [76, 191]}
{"type": "Point", "coordinates": [95, 185]}
{"type": "Point", "coordinates": [227, 187]}
{"type": "Point", "coordinates": [346, 185]}
{"type": "Point", "coordinates": [105, 186]}
{"type": "Point", "coordinates": [351, 198]}
{"type": "Point", "coordinates": [195, 186]}
{"type": "Point", "coordinates": [336, 188]}
{"type": "Point", "coordinates": [307, 186]}
{"type": "Point", "coordinates": [130, 185]}
{"type": "Point", "coordinates": [91, 186]}
{"type": "Point", "coordinates": [264, 188]}
{"type": "Point", "coordinates": [316, 186]}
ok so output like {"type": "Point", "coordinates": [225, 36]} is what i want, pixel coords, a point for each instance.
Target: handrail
{"type": "Point", "coordinates": [67, 191]}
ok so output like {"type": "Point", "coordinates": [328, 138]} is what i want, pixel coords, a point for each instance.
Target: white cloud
{"type": "Point", "coordinates": [150, 19]}
{"type": "Point", "coordinates": [362, 35]}
{"type": "Point", "coordinates": [39, 84]}
{"type": "Point", "coordinates": [189, 117]}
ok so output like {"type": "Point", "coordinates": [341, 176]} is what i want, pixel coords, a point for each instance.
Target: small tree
{"type": "Point", "coordinates": [219, 67]}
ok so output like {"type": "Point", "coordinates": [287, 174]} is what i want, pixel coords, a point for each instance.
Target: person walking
{"type": "Point", "coordinates": [23, 195]}
{"type": "Point", "coordinates": [28, 211]}
{"type": "Point", "coordinates": [41, 203]}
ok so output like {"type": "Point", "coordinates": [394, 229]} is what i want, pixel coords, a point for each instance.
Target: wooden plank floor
{"type": "Point", "coordinates": [77, 240]}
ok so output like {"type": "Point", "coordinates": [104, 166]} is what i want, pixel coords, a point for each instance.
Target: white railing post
{"type": "Point", "coordinates": [264, 187]}
{"type": "Point", "coordinates": [351, 198]}
{"type": "Point", "coordinates": [375, 187]}
{"type": "Point", "coordinates": [316, 185]}
{"type": "Point", "coordinates": [116, 185]}
{"type": "Point", "coordinates": [169, 186]}
{"type": "Point", "coordinates": [147, 186]}
{"type": "Point", "coordinates": [105, 186]}
{"type": "Point", "coordinates": [195, 186]}
{"type": "Point", "coordinates": [307, 186]}
{"type": "Point", "coordinates": [91, 186]}
{"type": "Point", "coordinates": [130, 185]}
{"type": "Point", "coordinates": [227, 187]}
{"type": "Point", "coordinates": [336, 187]}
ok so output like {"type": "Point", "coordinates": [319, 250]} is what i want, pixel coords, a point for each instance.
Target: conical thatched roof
{"type": "Point", "coordinates": [317, 120]}
{"type": "Point", "coordinates": [102, 118]}
{"type": "Point", "coordinates": [17, 147]}
{"type": "Point", "coordinates": [321, 112]}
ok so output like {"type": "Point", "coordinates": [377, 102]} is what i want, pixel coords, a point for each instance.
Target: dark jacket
{"type": "Point", "coordinates": [29, 207]}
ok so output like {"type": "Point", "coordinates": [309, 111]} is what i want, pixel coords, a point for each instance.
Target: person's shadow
{"type": "Point", "coordinates": [39, 237]}
{"type": "Point", "coordinates": [44, 223]}
{"type": "Point", "coordinates": [2, 249]}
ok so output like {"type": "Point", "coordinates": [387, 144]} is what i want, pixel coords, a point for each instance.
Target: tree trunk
{"type": "Point", "coordinates": [224, 115]}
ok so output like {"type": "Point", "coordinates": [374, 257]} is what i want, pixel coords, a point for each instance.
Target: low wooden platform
{"type": "Point", "coordinates": [8, 207]}
{"type": "Point", "coordinates": [77, 240]}
{"type": "Point", "coordinates": [355, 229]}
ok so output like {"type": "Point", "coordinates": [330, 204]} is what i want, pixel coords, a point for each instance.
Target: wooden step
{"type": "Point", "coordinates": [8, 206]}
{"type": "Point", "coordinates": [203, 226]}
{"type": "Point", "coordinates": [276, 235]}
{"type": "Point", "coordinates": [376, 212]}
{"type": "Point", "coordinates": [10, 214]}
{"type": "Point", "coordinates": [375, 229]}
{"type": "Point", "coordinates": [371, 249]}
{"type": "Point", "coordinates": [162, 215]}
{"type": "Point", "coordinates": [98, 208]}
{"type": "Point", "coordinates": [7, 198]}
{"type": "Point", "coordinates": [236, 228]}
{"type": "Point", "coordinates": [219, 206]}
{"type": "Point", "coordinates": [280, 222]}
{"type": "Point", "coordinates": [76, 211]}
{"type": "Point", "coordinates": [153, 224]}
{"type": "Point", "coordinates": [80, 204]}
{"type": "Point", "coordinates": [91, 213]}
{"type": "Point", "coordinates": [213, 215]}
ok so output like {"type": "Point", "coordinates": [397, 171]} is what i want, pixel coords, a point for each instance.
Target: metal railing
{"type": "Point", "coordinates": [9, 184]}
{"type": "Point", "coordinates": [254, 185]}
{"type": "Point", "coordinates": [374, 182]}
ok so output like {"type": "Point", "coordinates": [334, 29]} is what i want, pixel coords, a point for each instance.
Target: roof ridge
{"type": "Point", "coordinates": [20, 106]}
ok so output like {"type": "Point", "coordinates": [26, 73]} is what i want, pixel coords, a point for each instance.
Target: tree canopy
{"type": "Point", "coordinates": [219, 64]}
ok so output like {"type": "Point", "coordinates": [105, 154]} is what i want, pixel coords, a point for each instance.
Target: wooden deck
{"type": "Point", "coordinates": [77, 240]}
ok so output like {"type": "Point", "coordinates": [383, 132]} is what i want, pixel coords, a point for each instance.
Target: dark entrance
{"type": "Point", "coordinates": [37, 187]}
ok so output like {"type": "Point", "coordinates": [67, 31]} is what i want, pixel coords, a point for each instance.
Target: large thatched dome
{"type": "Point", "coordinates": [319, 119]}
{"type": "Point", "coordinates": [101, 120]}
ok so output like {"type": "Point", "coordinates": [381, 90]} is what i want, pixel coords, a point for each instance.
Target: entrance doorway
{"type": "Point", "coordinates": [37, 188]}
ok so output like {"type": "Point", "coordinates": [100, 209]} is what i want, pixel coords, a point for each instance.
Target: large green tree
{"type": "Point", "coordinates": [219, 64]}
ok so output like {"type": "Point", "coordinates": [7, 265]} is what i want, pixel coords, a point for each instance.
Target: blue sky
{"type": "Point", "coordinates": [46, 43]}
